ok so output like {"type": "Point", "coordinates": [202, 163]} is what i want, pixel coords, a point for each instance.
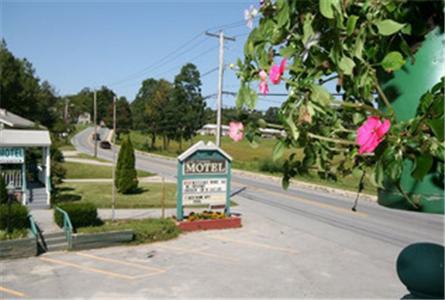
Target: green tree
{"type": "Point", "coordinates": [271, 115]}
{"type": "Point", "coordinates": [126, 180]}
{"type": "Point", "coordinates": [155, 111]}
{"type": "Point", "coordinates": [143, 97]}
{"type": "Point", "coordinates": [104, 99]}
{"type": "Point", "coordinates": [123, 116]}
{"type": "Point", "coordinates": [189, 103]}
{"type": "Point", "coordinates": [21, 91]}
{"type": "Point", "coordinates": [3, 191]}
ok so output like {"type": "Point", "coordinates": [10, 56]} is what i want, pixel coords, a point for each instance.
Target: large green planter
{"type": "Point", "coordinates": [404, 89]}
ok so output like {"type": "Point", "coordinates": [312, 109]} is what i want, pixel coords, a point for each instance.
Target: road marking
{"type": "Point", "coordinates": [314, 203]}
{"type": "Point", "coordinates": [261, 245]}
{"type": "Point", "coordinates": [90, 269]}
{"type": "Point", "coordinates": [199, 252]}
{"type": "Point", "coordinates": [12, 292]}
{"type": "Point", "coordinates": [158, 270]}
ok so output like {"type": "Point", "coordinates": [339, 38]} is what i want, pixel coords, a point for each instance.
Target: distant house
{"type": "Point", "coordinates": [270, 132]}
{"type": "Point", "coordinates": [84, 118]}
{"type": "Point", "coordinates": [210, 129]}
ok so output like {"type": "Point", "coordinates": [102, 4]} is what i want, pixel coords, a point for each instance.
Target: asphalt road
{"type": "Point", "coordinates": [375, 234]}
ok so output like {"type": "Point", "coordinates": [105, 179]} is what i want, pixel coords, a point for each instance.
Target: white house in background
{"type": "Point", "coordinates": [271, 132]}
{"type": "Point", "coordinates": [84, 118]}
{"type": "Point", "coordinates": [210, 129]}
{"type": "Point", "coordinates": [17, 134]}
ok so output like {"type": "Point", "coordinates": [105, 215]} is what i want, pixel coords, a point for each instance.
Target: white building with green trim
{"type": "Point", "coordinates": [25, 159]}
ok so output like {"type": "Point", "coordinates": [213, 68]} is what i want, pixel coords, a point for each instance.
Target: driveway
{"type": "Point", "coordinates": [265, 258]}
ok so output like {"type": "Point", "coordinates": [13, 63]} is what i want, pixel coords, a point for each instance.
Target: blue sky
{"type": "Point", "coordinates": [77, 44]}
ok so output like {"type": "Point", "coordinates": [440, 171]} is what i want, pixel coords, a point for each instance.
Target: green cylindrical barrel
{"type": "Point", "coordinates": [404, 89]}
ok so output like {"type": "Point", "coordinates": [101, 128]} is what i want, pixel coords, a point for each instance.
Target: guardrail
{"type": "Point", "coordinates": [67, 226]}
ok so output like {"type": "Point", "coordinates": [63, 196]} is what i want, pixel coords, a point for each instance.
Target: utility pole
{"type": "Point", "coordinates": [95, 125]}
{"type": "Point", "coordinates": [65, 113]}
{"type": "Point", "coordinates": [114, 160]}
{"type": "Point", "coordinates": [220, 81]}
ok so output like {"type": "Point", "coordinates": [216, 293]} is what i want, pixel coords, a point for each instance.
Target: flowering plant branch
{"type": "Point", "coordinates": [306, 44]}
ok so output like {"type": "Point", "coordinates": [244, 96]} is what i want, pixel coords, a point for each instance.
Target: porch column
{"type": "Point", "coordinates": [24, 200]}
{"type": "Point", "coordinates": [48, 174]}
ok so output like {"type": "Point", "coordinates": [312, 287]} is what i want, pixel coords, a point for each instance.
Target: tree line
{"type": "Point", "coordinates": [161, 109]}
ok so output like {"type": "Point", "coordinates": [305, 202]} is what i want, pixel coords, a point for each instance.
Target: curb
{"type": "Point", "coordinates": [301, 184]}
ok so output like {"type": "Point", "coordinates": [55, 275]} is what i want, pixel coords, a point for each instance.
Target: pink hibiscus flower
{"type": "Point", "coordinates": [264, 87]}
{"type": "Point", "coordinates": [276, 72]}
{"type": "Point", "coordinates": [236, 131]}
{"type": "Point", "coordinates": [371, 134]}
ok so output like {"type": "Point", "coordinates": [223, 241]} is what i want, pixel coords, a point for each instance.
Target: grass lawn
{"type": "Point", "coordinates": [149, 195]}
{"type": "Point", "coordinates": [146, 230]}
{"type": "Point", "coordinates": [67, 147]}
{"type": "Point", "coordinates": [245, 157]}
{"type": "Point", "coordinates": [87, 156]}
{"type": "Point", "coordinates": [76, 170]}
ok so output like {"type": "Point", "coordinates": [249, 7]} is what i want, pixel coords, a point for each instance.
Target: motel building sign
{"type": "Point", "coordinates": [204, 173]}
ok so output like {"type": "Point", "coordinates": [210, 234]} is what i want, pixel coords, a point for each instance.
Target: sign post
{"type": "Point", "coordinates": [204, 175]}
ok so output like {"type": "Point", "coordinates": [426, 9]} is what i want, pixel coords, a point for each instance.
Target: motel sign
{"type": "Point", "coordinates": [204, 173]}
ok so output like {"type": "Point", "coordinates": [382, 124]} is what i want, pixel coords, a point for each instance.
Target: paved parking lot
{"type": "Point", "coordinates": [262, 259]}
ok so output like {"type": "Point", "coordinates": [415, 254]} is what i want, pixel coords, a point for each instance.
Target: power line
{"type": "Point", "coordinates": [181, 47]}
{"type": "Point", "coordinates": [138, 73]}
{"type": "Point", "coordinates": [158, 64]}
{"type": "Point", "coordinates": [191, 59]}
{"type": "Point", "coordinates": [209, 72]}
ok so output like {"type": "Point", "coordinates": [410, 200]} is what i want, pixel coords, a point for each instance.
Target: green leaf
{"type": "Point", "coordinates": [350, 26]}
{"type": "Point", "coordinates": [436, 126]}
{"type": "Point", "coordinates": [278, 150]}
{"type": "Point", "coordinates": [246, 96]}
{"type": "Point", "coordinates": [308, 31]}
{"type": "Point", "coordinates": [288, 51]}
{"type": "Point", "coordinates": [283, 14]}
{"type": "Point", "coordinates": [379, 175]}
{"type": "Point", "coordinates": [326, 8]}
{"type": "Point", "coordinates": [393, 61]}
{"type": "Point", "coordinates": [320, 95]}
{"type": "Point", "coordinates": [395, 169]}
{"type": "Point", "coordinates": [423, 164]}
{"type": "Point", "coordinates": [407, 29]}
{"type": "Point", "coordinates": [358, 49]}
{"type": "Point", "coordinates": [240, 98]}
{"type": "Point", "coordinates": [388, 26]}
{"type": "Point", "coordinates": [346, 65]}
{"type": "Point", "coordinates": [293, 128]}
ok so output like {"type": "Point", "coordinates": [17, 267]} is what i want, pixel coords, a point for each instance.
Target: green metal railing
{"type": "Point", "coordinates": [67, 226]}
{"type": "Point", "coordinates": [33, 225]}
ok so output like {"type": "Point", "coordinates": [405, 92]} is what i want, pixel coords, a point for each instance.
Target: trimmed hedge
{"type": "Point", "coordinates": [18, 217]}
{"type": "Point", "coordinates": [81, 214]}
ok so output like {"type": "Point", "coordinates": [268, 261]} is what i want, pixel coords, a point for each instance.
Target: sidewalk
{"type": "Point", "coordinates": [149, 179]}
{"type": "Point", "coordinates": [87, 161]}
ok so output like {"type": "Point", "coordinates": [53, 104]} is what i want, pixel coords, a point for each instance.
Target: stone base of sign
{"type": "Point", "coordinates": [232, 222]}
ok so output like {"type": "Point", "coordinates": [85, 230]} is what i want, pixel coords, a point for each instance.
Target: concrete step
{"type": "Point", "coordinates": [38, 206]}
{"type": "Point", "coordinates": [57, 247]}
{"type": "Point", "coordinates": [54, 234]}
